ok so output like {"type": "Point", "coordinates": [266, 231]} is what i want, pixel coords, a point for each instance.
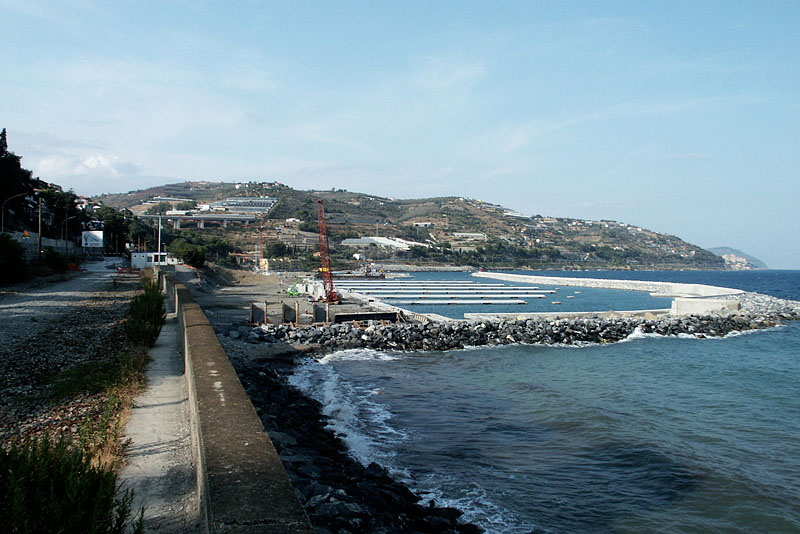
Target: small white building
{"type": "Point", "coordinates": [386, 242]}
{"type": "Point", "coordinates": [143, 260]}
{"type": "Point", "coordinates": [470, 236]}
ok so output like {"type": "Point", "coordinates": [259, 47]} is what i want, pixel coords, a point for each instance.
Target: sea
{"type": "Point", "coordinates": [652, 434]}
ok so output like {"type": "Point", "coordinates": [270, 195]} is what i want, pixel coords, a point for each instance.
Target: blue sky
{"type": "Point", "coordinates": [682, 117]}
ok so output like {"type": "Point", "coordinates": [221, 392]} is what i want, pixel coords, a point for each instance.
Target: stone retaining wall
{"type": "Point", "coordinates": [242, 485]}
{"type": "Point", "coordinates": [31, 243]}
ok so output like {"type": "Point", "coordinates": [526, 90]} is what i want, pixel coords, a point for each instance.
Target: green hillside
{"type": "Point", "coordinates": [505, 239]}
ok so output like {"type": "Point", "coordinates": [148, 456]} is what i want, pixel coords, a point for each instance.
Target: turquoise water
{"type": "Point", "coordinates": [569, 299]}
{"type": "Point", "coordinates": [653, 434]}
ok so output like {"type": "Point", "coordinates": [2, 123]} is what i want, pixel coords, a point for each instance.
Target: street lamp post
{"type": "Point", "coordinates": [3, 222]}
{"type": "Point", "coordinates": [39, 251]}
{"type": "Point", "coordinates": [39, 248]}
{"type": "Point", "coordinates": [66, 235]}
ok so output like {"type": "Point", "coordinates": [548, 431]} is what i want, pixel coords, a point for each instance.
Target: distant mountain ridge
{"type": "Point", "coordinates": [452, 229]}
{"type": "Point", "coordinates": [738, 260]}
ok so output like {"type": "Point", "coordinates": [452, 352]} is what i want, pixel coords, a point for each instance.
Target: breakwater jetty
{"type": "Point", "coordinates": [756, 311]}
{"type": "Point", "coordinates": [661, 289]}
{"type": "Point", "coordinates": [687, 299]}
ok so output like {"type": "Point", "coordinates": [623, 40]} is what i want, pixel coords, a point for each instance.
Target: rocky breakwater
{"type": "Point", "coordinates": [758, 311]}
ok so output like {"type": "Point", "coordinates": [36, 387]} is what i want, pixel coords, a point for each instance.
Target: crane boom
{"type": "Point", "coordinates": [325, 257]}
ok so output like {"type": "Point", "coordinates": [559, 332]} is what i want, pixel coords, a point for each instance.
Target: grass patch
{"type": "Point", "coordinates": [54, 487]}
{"type": "Point", "coordinates": [96, 377]}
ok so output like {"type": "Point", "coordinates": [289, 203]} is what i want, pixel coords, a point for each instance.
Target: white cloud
{"type": "Point", "coordinates": [98, 165]}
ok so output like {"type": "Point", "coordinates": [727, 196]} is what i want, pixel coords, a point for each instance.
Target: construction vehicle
{"type": "Point", "coordinates": [292, 291]}
{"type": "Point", "coordinates": [325, 258]}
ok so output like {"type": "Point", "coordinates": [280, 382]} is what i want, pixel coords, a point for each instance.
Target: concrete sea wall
{"type": "Point", "coordinates": [242, 485]}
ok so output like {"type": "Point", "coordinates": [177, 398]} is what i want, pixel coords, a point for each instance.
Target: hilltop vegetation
{"type": "Point", "coordinates": [452, 230]}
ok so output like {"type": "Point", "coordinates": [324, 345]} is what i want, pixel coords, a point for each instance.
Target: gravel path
{"type": "Point", "coordinates": [46, 327]}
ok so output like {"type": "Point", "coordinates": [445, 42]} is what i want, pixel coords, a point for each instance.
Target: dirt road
{"type": "Point", "coordinates": [47, 327]}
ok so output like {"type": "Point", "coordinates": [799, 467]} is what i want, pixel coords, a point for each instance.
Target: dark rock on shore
{"type": "Point", "coordinates": [457, 335]}
{"type": "Point", "coordinates": [339, 494]}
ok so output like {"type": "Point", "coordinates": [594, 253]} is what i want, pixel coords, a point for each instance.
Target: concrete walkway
{"type": "Point", "coordinates": [159, 464]}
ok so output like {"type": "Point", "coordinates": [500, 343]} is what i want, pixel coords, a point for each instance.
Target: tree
{"type": "Point", "coordinates": [63, 206]}
{"type": "Point", "coordinates": [115, 228]}
{"type": "Point", "coordinates": [214, 246]}
{"type": "Point", "coordinates": [191, 254]}
{"type": "Point", "coordinates": [140, 232]}
{"type": "Point", "coordinates": [309, 226]}
{"type": "Point", "coordinates": [159, 209]}
{"type": "Point", "coordinates": [14, 180]}
{"type": "Point", "coordinates": [194, 256]}
{"type": "Point", "coordinates": [178, 247]}
{"type": "Point", "coordinates": [12, 260]}
{"type": "Point", "coordinates": [275, 249]}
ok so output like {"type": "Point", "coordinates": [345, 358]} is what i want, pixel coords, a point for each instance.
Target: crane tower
{"type": "Point", "coordinates": [325, 257]}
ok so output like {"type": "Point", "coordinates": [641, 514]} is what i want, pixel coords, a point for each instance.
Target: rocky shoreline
{"type": "Point", "coordinates": [341, 495]}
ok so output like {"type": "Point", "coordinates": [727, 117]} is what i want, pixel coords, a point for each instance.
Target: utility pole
{"type": "Point", "coordinates": [66, 236]}
{"type": "Point", "coordinates": [159, 240]}
{"type": "Point", "coordinates": [39, 250]}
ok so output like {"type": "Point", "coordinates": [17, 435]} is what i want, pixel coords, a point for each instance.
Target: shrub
{"type": "Point", "coordinates": [12, 261]}
{"type": "Point", "coordinates": [146, 316]}
{"type": "Point", "coordinates": [48, 487]}
{"type": "Point", "coordinates": [55, 261]}
{"type": "Point", "coordinates": [194, 256]}
{"type": "Point", "coordinates": [229, 262]}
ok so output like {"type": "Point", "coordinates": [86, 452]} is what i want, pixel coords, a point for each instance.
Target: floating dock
{"type": "Point", "coordinates": [448, 293]}
{"type": "Point", "coordinates": [514, 291]}
{"type": "Point", "coordinates": [395, 296]}
{"type": "Point", "coordinates": [459, 302]}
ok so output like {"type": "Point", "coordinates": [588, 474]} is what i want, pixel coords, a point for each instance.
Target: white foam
{"type": "Point", "coordinates": [476, 504]}
{"type": "Point", "coordinates": [638, 334]}
{"type": "Point", "coordinates": [358, 355]}
{"type": "Point", "coordinates": [363, 424]}
{"type": "Point", "coordinates": [737, 333]}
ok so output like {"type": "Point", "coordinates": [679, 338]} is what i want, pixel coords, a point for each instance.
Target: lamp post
{"type": "Point", "coordinates": [39, 251]}
{"type": "Point", "coordinates": [159, 239]}
{"type": "Point", "coordinates": [66, 235]}
{"type": "Point", "coordinates": [3, 221]}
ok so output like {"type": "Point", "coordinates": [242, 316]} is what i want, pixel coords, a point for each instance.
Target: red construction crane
{"type": "Point", "coordinates": [325, 258]}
